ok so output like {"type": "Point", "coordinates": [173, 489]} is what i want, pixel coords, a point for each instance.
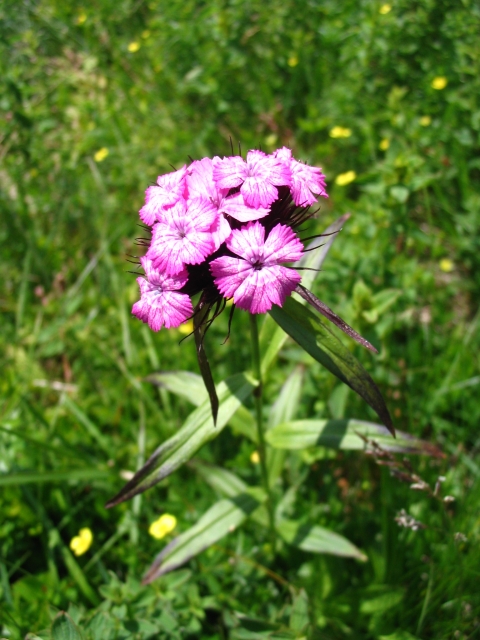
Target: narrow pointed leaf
{"type": "Point", "coordinates": [196, 431]}
{"type": "Point", "coordinates": [320, 342]}
{"type": "Point", "coordinates": [191, 387]}
{"type": "Point", "coordinates": [228, 485]}
{"type": "Point", "coordinates": [272, 337]}
{"type": "Point", "coordinates": [223, 518]}
{"type": "Point", "coordinates": [317, 539]}
{"type": "Point", "coordinates": [345, 434]}
{"type": "Point", "coordinates": [322, 308]}
{"type": "Point", "coordinates": [200, 324]}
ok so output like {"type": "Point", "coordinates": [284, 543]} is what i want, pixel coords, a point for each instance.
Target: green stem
{"type": "Point", "coordinates": [258, 395]}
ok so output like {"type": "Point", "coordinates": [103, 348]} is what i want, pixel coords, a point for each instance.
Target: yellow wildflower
{"type": "Point", "coordinates": [425, 121]}
{"type": "Point", "coordinates": [255, 457]}
{"type": "Point", "coordinates": [446, 265]}
{"type": "Point", "coordinates": [81, 544]}
{"type": "Point", "coordinates": [345, 178]}
{"type": "Point", "coordinates": [186, 328]}
{"type": "Point", "coordinates": [439, 83]}
{"type": "Point", "coordinates": [101, 154]}
{"type": "Point", "coordinates": [271, 140]}
{"type": "Point", "coordinates": [340, 132]}
{"type": "Point", "coordinates": [81, 18]}
{"type": "Point", "coordinates": [133, 47]}
{"type": "Point", "coordinates": [165, 524]}
{"type": "Point", "coordinates": [385, 8]}
{"type": "Point", "coordinates": [384, 144]}
{"type": "Point", "coordinates": [293, 61]}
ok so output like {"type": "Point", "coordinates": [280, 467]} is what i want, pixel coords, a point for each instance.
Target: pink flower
{"type": "Point", "coordinates": [183, 236]}
{"type": "Point", "coordinates": [257, 177]}
{"type": "Point", "coordinates": [256, 280]}
{"type": "Point", "coordinates": [201, 184]}
{"type": "Point", "coordinates": [160, 302]}
{"type": "Point", "coordinates": [306, 180]}
{"type": "Point", "coordinates": [170, 190]}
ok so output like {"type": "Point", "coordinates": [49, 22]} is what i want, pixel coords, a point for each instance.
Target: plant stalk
{"type": "Point", "coordinates": [258, 396]}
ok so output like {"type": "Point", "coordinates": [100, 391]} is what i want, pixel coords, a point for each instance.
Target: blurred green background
{"type": "Point", "coordinates": [97, 99]}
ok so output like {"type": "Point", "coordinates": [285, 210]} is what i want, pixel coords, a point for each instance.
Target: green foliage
{"type": "Point", "coordinates": [151, 83]}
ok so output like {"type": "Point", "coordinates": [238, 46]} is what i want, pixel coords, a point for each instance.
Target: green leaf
{"type": "Point", "coordinates": [63, 628]}
{"type": "Point", "coordinates": [332, 317]}
{"type": "Point", "coordinates": [201, 324]}
{"type": "Point", "coordinates": [345, 434]}
{"type": "Point", "coordinates": [318, 340]}
{"type": "Point", "coordinates": [228, 485]}
{"type": "Point", "coordinates": [299, 614]}
{"type": "Point", "coordinates": [317, 539]}
{"type": "Point", "coordinates": [198, 429]}
{"type": "Point", "coordinates": [382, 601]}
{"type": "Point", "coordinates": [223, 518]}
{"type": "Point", "coordinates": [191, 387]}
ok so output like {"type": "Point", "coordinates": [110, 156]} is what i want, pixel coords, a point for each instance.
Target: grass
{"type": "Point", "coordinates": [96, 101]}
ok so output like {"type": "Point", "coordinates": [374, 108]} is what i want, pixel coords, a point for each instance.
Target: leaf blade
{"type": "Point", "coordinates": [222, 518]}
{"type": "Point", "coordinates": [198, 429]}
{"type": "Point", "coordinates": [317, 539]}
{"type": "Point", "coordinates": [345, 434]}
{"type": "Point", "coordinates": [321, 343]}
{"type": "Point", "coordinates": [200, 326]}
{"type": "Point", "coordinates": [63, 628]}
{"type": "Point", "coordinates": [322, 308]}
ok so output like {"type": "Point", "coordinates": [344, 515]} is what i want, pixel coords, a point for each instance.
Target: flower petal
{"type": "Point", "coordinates": [229, 172]}
{"type": "Point", "coordinates": [170, 189]}
{"type": "Point", "coordinates": [235, 206]}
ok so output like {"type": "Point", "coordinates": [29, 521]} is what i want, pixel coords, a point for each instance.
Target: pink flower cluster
{"type": "Point", "coordinates": [224, 227]}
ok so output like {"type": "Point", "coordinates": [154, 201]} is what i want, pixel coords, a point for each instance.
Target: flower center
{"type": "Point", "coordinates": [257, 265]}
